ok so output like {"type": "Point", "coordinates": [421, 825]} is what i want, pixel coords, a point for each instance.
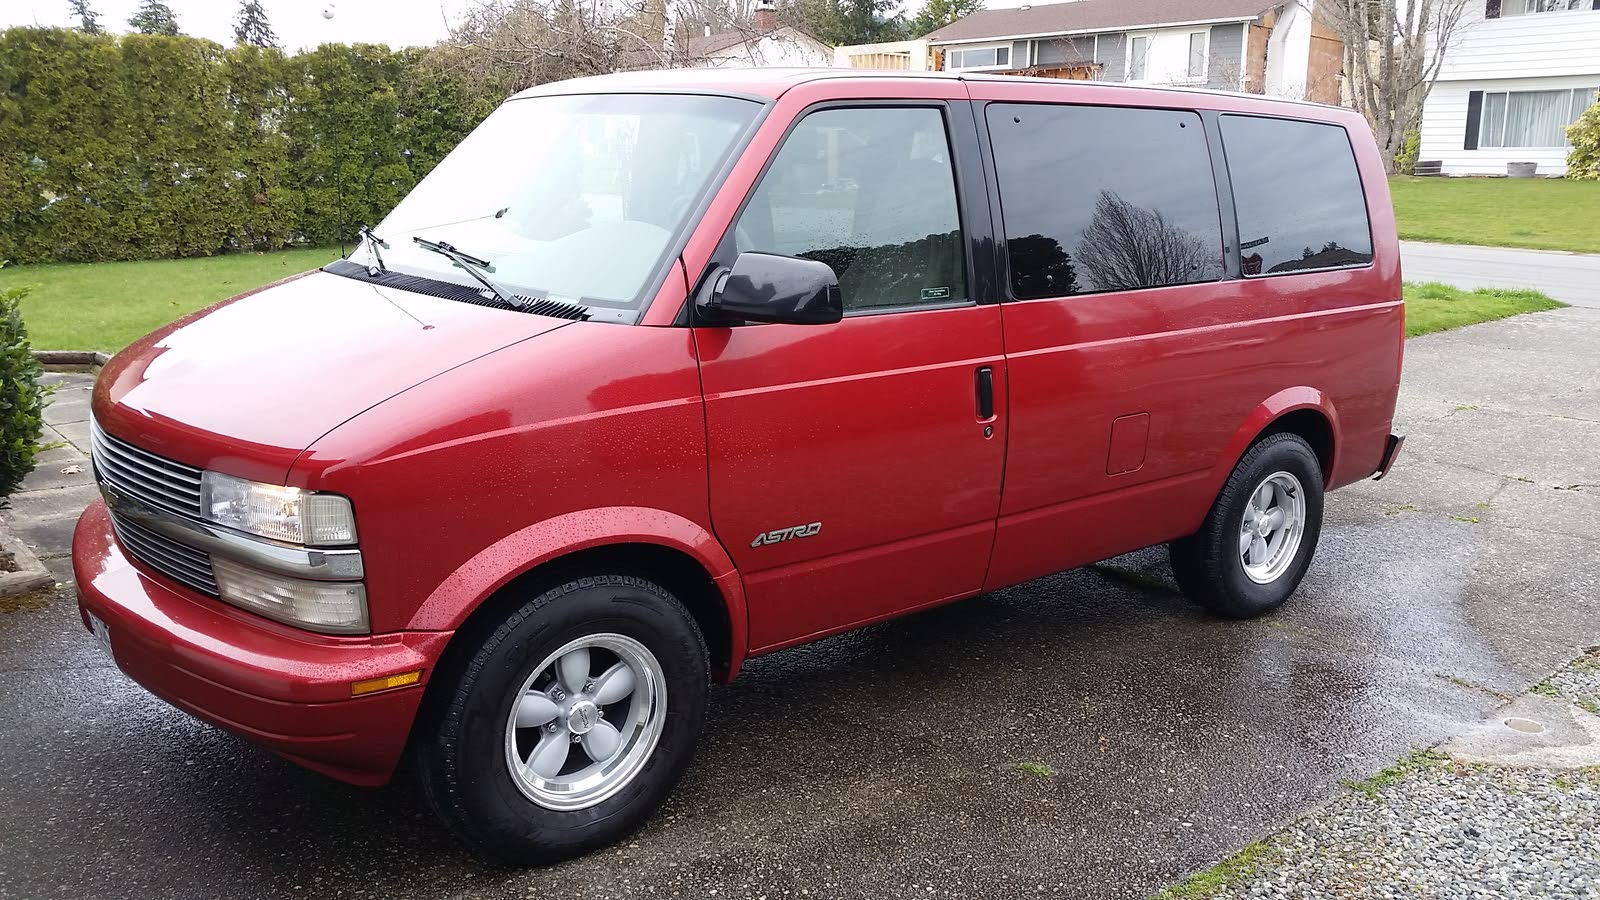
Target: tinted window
{"type": "Point", "coordinates": [1099, 198]}
{"type": "Point", "coordinates": [871, 193]}
{"type": "Point", "coordinates": [1298, 196]}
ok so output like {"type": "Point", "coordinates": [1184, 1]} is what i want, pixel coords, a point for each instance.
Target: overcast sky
{"type": "Point", "coordinates": [299, 23]}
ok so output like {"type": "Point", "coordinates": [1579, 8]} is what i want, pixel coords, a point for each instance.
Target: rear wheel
{"type": "Point", "coordinates": [570, 723]}
{"type": "Point", "coordinates": [1257, 542]}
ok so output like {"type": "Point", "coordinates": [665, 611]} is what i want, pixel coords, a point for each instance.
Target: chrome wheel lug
{"type": "Point", "coordinates": [577, 739]}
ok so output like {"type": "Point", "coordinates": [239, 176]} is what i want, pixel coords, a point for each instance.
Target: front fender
{"type": "Point", "coordinates": [1265, 413]}
{"type": "Point", "coordinates": [521, 551]}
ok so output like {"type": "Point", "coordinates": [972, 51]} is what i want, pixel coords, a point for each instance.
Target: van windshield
{"type": "Point", "coordinates": [575, 198]}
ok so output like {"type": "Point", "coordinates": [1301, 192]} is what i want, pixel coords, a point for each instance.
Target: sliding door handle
{"type": "Point", "coordinates": [985, 387]}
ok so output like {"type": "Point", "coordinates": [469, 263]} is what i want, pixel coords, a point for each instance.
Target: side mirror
{"type": "Point", "coordinates": [766, 287]}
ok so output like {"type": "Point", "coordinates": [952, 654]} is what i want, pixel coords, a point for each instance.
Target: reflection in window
{"type": "Point", "coordinates": [871, 193]}
{"type": "Point", "coordinates": [1100, 199]}
{"type": "Point", "coordinates": [1297, 194]}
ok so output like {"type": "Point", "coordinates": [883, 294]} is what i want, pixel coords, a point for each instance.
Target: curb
{"type": "Point", "coordinates": [31, 575]}
{"type": "Point", "coordinates": [71, 357]}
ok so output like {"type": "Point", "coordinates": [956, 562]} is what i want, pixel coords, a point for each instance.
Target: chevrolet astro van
{"type": "Point", "coordinates": [662, 371]}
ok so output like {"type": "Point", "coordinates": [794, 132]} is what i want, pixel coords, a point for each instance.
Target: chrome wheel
{"type": "Point", "coordinates": [1274, 520]}
{"type": "Point", "coordinates": [586, 720]}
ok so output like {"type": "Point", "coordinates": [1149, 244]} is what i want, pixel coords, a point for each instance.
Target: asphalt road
{"type": "Point", "coordinates": [884, 763]}
{"type": "Point", "coordinates": [1569, 277]}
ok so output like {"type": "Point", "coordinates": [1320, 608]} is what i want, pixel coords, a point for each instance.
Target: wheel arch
{"type": "Point", "coordinates": [1303, 411]}
{"type": "Point", "coordinates": [666, 548]}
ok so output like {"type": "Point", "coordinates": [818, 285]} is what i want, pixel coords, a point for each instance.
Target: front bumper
{"type": "Point", "coordinates": [285, 689]}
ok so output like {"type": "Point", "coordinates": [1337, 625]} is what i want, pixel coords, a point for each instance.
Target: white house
{"type": "Point", "coordinates": [1518, 72]}
{"type": "Point", "coordinates": [764, 43]}
{"type": "Point", "coordinates": [1274, 47]}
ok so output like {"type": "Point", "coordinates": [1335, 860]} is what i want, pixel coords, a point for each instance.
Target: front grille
{"type": "Point", "coordinates": [180, 562]}
{"type": "Point", "coordinates": [158, 482]}
{"type": "Point", "coordinates": [145, 476]}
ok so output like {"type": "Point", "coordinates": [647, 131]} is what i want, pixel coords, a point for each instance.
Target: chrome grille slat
{"type": "Point", "coordinates": [146, 489]}
{"type": "Point", "coordinates": [164, 562]}
{"type": "Point", "coordinates": [159, 482]}
{"type": "Point", "coordinates": [152, 461]}
{"type": "Point", "coordinates": [182, 564]}
{"type": "Point", "coordinates": [142, 468]}
{"type": "Point", "coordinates": [154, 479]}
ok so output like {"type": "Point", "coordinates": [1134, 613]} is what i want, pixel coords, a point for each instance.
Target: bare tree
{"type": "Point", "coordinates": [1393, 53]}
{"type": "Point", "coordinates": [1127, 246]}
{"type": "Point", "coordinates": [525, 42]}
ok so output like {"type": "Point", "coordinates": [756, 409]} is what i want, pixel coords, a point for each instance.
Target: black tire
{"type": "Point", "coordinates": [461, 749]}
{"type": "Point", "coordinates": [1208, 564]}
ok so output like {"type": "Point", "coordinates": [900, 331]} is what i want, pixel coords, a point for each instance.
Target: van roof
{"type": "Point", "coordinates": [771, 83]}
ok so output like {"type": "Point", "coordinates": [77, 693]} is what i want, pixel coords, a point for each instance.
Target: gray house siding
{"type": "Point", "coordinates": [1225, 62]}
{"type": "Point", "coordinates": [1113, 57]}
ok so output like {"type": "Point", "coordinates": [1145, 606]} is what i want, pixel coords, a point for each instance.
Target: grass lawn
{"type": "Point", "coordinates": [105, 306]}
{"type": "Point", "coordinates": [1431, 306]}
{"type": "Point", "coordinates": [1538, 213]}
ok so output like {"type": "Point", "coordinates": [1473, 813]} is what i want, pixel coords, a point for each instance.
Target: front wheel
{"type": "Point", "coordinates": [570, 723]}
{"type": "Point", "coordinates": [1256, 543]}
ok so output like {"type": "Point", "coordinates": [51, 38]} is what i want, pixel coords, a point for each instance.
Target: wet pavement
{"type": "Point", "coordinates": [885, 763]}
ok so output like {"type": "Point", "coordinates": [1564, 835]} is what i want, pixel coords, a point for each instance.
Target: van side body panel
{"type": "Point", "coordinates": [1211, 364]}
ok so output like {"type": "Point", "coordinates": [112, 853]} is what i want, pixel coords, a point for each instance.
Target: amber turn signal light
{"type": "Point", "coordinates": [372, 685]}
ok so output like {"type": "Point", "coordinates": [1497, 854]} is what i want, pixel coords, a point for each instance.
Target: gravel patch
{"type": "Point", "coordinates": [1436, 829]}
{"type": "Point", "coordinates": [1577, 683]}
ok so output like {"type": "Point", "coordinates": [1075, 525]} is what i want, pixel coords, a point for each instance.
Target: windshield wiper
{"type": "Point", "coordinates": [373, 243]}
{"type": "Point", "coordinates": [474, 267]}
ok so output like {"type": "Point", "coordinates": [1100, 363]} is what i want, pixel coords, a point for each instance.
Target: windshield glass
{"type": "Point", "coordinates": [575, 198]}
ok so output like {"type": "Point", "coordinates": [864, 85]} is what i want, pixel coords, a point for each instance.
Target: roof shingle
{"type": "Point", "coordinates": [1094, 15]}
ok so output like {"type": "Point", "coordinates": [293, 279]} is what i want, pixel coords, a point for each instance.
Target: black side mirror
{"type": "Point", "coordinates": [766, 287]}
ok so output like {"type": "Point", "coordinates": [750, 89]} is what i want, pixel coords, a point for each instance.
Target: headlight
{"type": "Point", "coordinates": [282, 513]}
{"type": "Point", "coordinates": [334, 607]}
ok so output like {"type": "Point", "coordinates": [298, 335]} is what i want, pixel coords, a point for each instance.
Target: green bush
{"type": "Point", "coordinates": [1583, 160]}
{"type": "Point", "coordinates": [21, 397]}
{"type": "Point", "coordinates": [1405, 162]}
{"type": "Point", "coordinates": [149, 146]}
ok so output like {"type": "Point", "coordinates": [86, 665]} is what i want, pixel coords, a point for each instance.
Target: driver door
{"type": "Point", "coordinates": [855, 467]}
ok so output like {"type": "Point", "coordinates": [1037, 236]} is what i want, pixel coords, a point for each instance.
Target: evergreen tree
{"type": "Point", "coordinates": [252, 27]}
{"type": "Point", "coordinates": [154, 17]}
{"type": "Point", "coordinates": [88, 19]}
{"type": "Point", "coordinates": [851, 21]}
{"type": "Point", "coordinates": [936, 14]}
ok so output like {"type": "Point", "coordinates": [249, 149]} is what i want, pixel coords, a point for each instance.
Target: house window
{"type": "Point", "coordinates": [1538, 6]}
{"type": "Point", "coordinates": [1138, 58]}
{"type": "Point", "coordinates": [979, 58]}
{"type": "Point", "coordinates": [1531, 118]}
{"type": "Point", "coordinates": [1197, 55]}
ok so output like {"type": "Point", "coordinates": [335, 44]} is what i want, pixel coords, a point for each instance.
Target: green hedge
{"type": "Point", "coordinates": [145, 146]}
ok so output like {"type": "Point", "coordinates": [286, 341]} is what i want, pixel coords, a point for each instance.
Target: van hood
{"type": "Point", "coordinates": [248, 384]}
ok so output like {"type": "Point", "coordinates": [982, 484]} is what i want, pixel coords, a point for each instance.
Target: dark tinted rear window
{"type": "Point", "coordinates": [1298, 196]}
{"type": "Point", "coordinates": [1101, 198]}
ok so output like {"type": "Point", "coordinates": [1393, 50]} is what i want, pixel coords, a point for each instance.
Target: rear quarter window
{"type": "Point", "coordinates": [1297, 194]}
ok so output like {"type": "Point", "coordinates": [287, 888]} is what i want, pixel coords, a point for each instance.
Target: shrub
{"type": "Point", "coordinates": [1583, 160]}
{"type": "Point", "coordinates": [1405, 162]}
{"type": "Point", "coordinates": [21, 397]}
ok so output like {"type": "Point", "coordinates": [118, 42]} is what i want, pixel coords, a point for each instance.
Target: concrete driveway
{"type": "Point", "coordinates": [1569, 277]}
{"type": "Point", "coordinates": [885, 763]}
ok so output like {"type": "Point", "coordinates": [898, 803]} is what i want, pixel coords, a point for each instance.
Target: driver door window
{"type": "Point", "coordinates": [870, 192]}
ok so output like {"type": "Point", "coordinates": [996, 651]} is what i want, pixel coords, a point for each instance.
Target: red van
{"type": "Point", "coordinates": [659, 372]}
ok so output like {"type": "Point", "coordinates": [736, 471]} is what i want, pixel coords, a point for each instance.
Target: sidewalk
{"type": "Point", "coordinates": [1572, 278]}
{"type": "Point", "coordinates": [45, 509]}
